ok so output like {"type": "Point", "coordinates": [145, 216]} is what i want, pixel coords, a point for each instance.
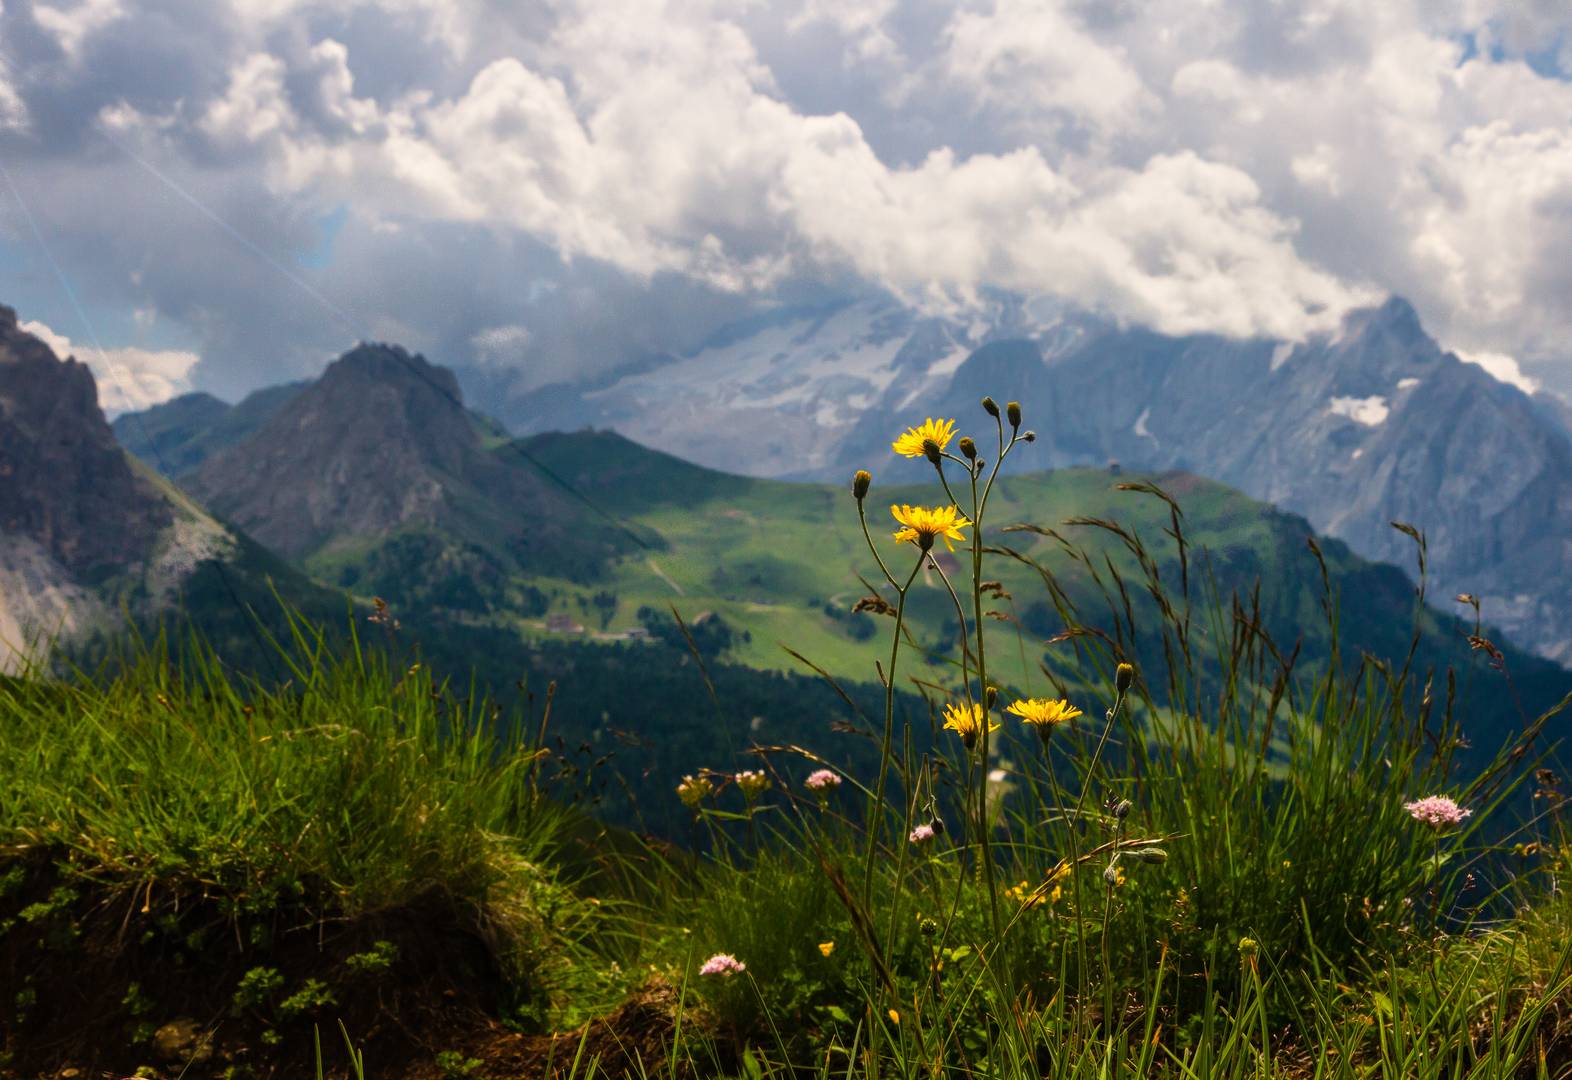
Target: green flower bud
{"type": "Point", "coordinates": [968, 448]}
{"type": "Point", "coordinates": [1122, 811]}
{"type": "Point", "coordinates": [1148, 855]}
{"type": "Point", "coordinates": [929, 927]}
{"type": "Point", "coordinates": [1248, 947]}
{"type": "Point", "coordinates": [1030, 436]}
{"type": "Point", "coordinates": [990, 407]}
{"type": "Point", "coordinates": [1012, 412]}
{"type": "Point", "coordinates": [1111, 876]}
{"type": "Point", "coordinates": [860, 484]}
{"type": "Point", "coordinates": [931, 450]}
{"type": "Point", "coordinates": [991, 697]}
{"type": "Point", "coordinates": [1123, 677]}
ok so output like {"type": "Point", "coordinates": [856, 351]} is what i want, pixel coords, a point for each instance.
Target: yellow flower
{"type": "Point", "coordinates": [1044, 714]}
{"type": "Point", "coordinates": [924, 524]}
{"type": "Point", "coordinates": [826, 947]}
{"type": "Point", "coordinates": [895, 1017]}
{"type": "Point", "coordinates": [910, 444]}
{"type": "Point", "coordinates": [967, 722]}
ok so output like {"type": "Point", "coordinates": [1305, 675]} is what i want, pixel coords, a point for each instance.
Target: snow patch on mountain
{"type": "Point", "coordinates": [1369, 411]}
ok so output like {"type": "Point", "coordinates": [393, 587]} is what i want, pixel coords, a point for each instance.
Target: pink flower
{"type": "Point", "coordinates": [723, 964]}
{"type": "Point", "coordinates": [821, 781]}
{"type": "Point", "coordinates": [1436, 811]}
{"type": "Point", "coordinates": [921, 834]}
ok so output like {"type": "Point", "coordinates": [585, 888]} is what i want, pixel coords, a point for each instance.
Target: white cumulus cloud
{"type": "Point", "coordinates": [128, 378]}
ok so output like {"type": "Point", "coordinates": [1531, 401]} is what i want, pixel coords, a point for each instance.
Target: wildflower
{"type": "Point", "coordinates": [923, 525]}
{"type": "Point", "coordinates": [1436, 811]}
{"type": "Point", "coordinates": [693, 790]}
{"type": "Point", "coordinates": [753, 783]}
{"type": "Point", "coordinates": [967, 722]}
{"type": "Point", "coordinates": [723, 964]}
{"type": "Point", "coordinates": [1025, 895]}
{"type": "Point", "coordinates": [1248, 947]}
{"type": "Point", "coordinates": [968, 448]}
{"type": "Point", "coordinates": [1012, 413]}
{"type": "Point", "coordinates": [860, 484]}
{"type": "Point", "coordinates": [826, 947]}
{"type": "Point", "coordinates": [821, 781]}
{"type": "Point", "coordinates": [938, 432]}
{"type": "Point", "coordinates": [895, 1017]}
{"type": "Point", "coordinates": [921, 834]}
{"type": "Point", "coordinates": [1044, 714]}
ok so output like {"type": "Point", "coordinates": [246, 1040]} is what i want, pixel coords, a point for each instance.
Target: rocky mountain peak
{"type": "Point", "coordinates": [65, 483]}
{"type": "Point", "coordinates": [380, 441]}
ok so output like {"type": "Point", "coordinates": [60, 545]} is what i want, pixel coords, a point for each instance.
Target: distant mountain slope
{"type": "Point", "coordinates": [779, 564]}
{"type": "Point", "coordinates": [1352, 430]}
{"type": "Point", "coordinates": [179, 435]}
{"type": "Point", "coordinates": [1375, 425]}
{"type": "Point", "coordinates": [377, 478]}
{"type": "Point", "coordinates": [85, 531]}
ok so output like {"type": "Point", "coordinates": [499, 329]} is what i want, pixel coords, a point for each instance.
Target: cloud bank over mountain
{"type": "Point", "coordinates": [559, 186]}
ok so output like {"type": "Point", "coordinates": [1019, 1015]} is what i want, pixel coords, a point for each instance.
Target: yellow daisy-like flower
{"type": "Point", "coordinates": [967, 722]}
{"type": "Point", "coordinates": [910, 444]}
{"type": "Point", "coordinates": [925, 524]}
{"type": "Point", "coordinates": [1044, 714]}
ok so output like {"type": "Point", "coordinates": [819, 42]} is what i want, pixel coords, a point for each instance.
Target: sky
{"type": "Point", "coordinates": [224, 194]}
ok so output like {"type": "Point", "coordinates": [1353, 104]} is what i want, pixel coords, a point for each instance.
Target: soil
{"type": "Point", "coordinates": [101, 982]}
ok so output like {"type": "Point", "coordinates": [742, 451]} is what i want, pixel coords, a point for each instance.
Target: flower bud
{"type": "Point", "coordinates": [1123, 677]}
{"type": "Point", "coordinates": [968, 448]}
{"type": "Point", "coordinates": [1111, 875]}
{"type": "Point", "coordinates": [991, 697]}
{"type": "Point", "coordinates": [1122, 811]}
{"type": "Point", "coordinates": [1030, 436]}
{"type": "Point", "coordinates": [937, 825]}
{"type": "Point", "coordinates": [1148, 855]}
{"type": "Point", "coordinates": [1248, 947]}
{"type": "Point", "coordinates": [931, 450]}
{"type": "Point", "coordinates": [1012, 412]}
{"type": "Point", "coordinates": [860, 484]}
{"type": "Point", "coordinates": [929, 927]}
{"type": "Point", "coordinates": [990, 407]}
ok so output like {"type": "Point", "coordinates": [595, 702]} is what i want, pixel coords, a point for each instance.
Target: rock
{"type": "Point", "coordinates": [183, 1042]}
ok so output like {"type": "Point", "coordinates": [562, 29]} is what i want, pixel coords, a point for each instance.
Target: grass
{"type": "Point", "coordinates": [360, 871]}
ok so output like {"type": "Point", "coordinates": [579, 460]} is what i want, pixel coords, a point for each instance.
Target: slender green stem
{"type": "Point", "coordinates": [862, 518]}
{"type": "Point", "coordinates": [876, 804]}
{"type": "Point", "coordinates": [1075, 868]}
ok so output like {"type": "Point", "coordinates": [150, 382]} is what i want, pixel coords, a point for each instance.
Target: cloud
{"type": "Point", "coordinates": [500, 346]}
{"type": "Point", "coordinates": [71, 23]}
{"type": "Point", "coordinates": [1504, 368]}
{"type": "Point", "coordinates": [669, 152]}
{"type": "Point", "coordinates": [128, 378]}
{"type": "Point", "coordinates": [1233, 167]}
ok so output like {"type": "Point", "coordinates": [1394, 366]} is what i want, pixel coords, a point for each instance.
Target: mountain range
{"type": "Point", "coordinates": [378, 479]}
{"type": "Point", "coordinates": [1353, 430]}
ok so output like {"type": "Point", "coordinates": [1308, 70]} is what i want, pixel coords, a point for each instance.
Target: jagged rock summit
{"type": "Point", "coordinates": [87, 532]}
{"type": "Point", "coordinates": [65, 483]}
{"type": "Point", "coordinates": [381, 440]}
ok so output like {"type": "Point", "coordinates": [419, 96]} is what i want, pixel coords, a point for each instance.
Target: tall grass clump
{"type": "Point", "coordinates": [357, 840]}
{"type": "Point", "coordinates": [1203, 853]}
